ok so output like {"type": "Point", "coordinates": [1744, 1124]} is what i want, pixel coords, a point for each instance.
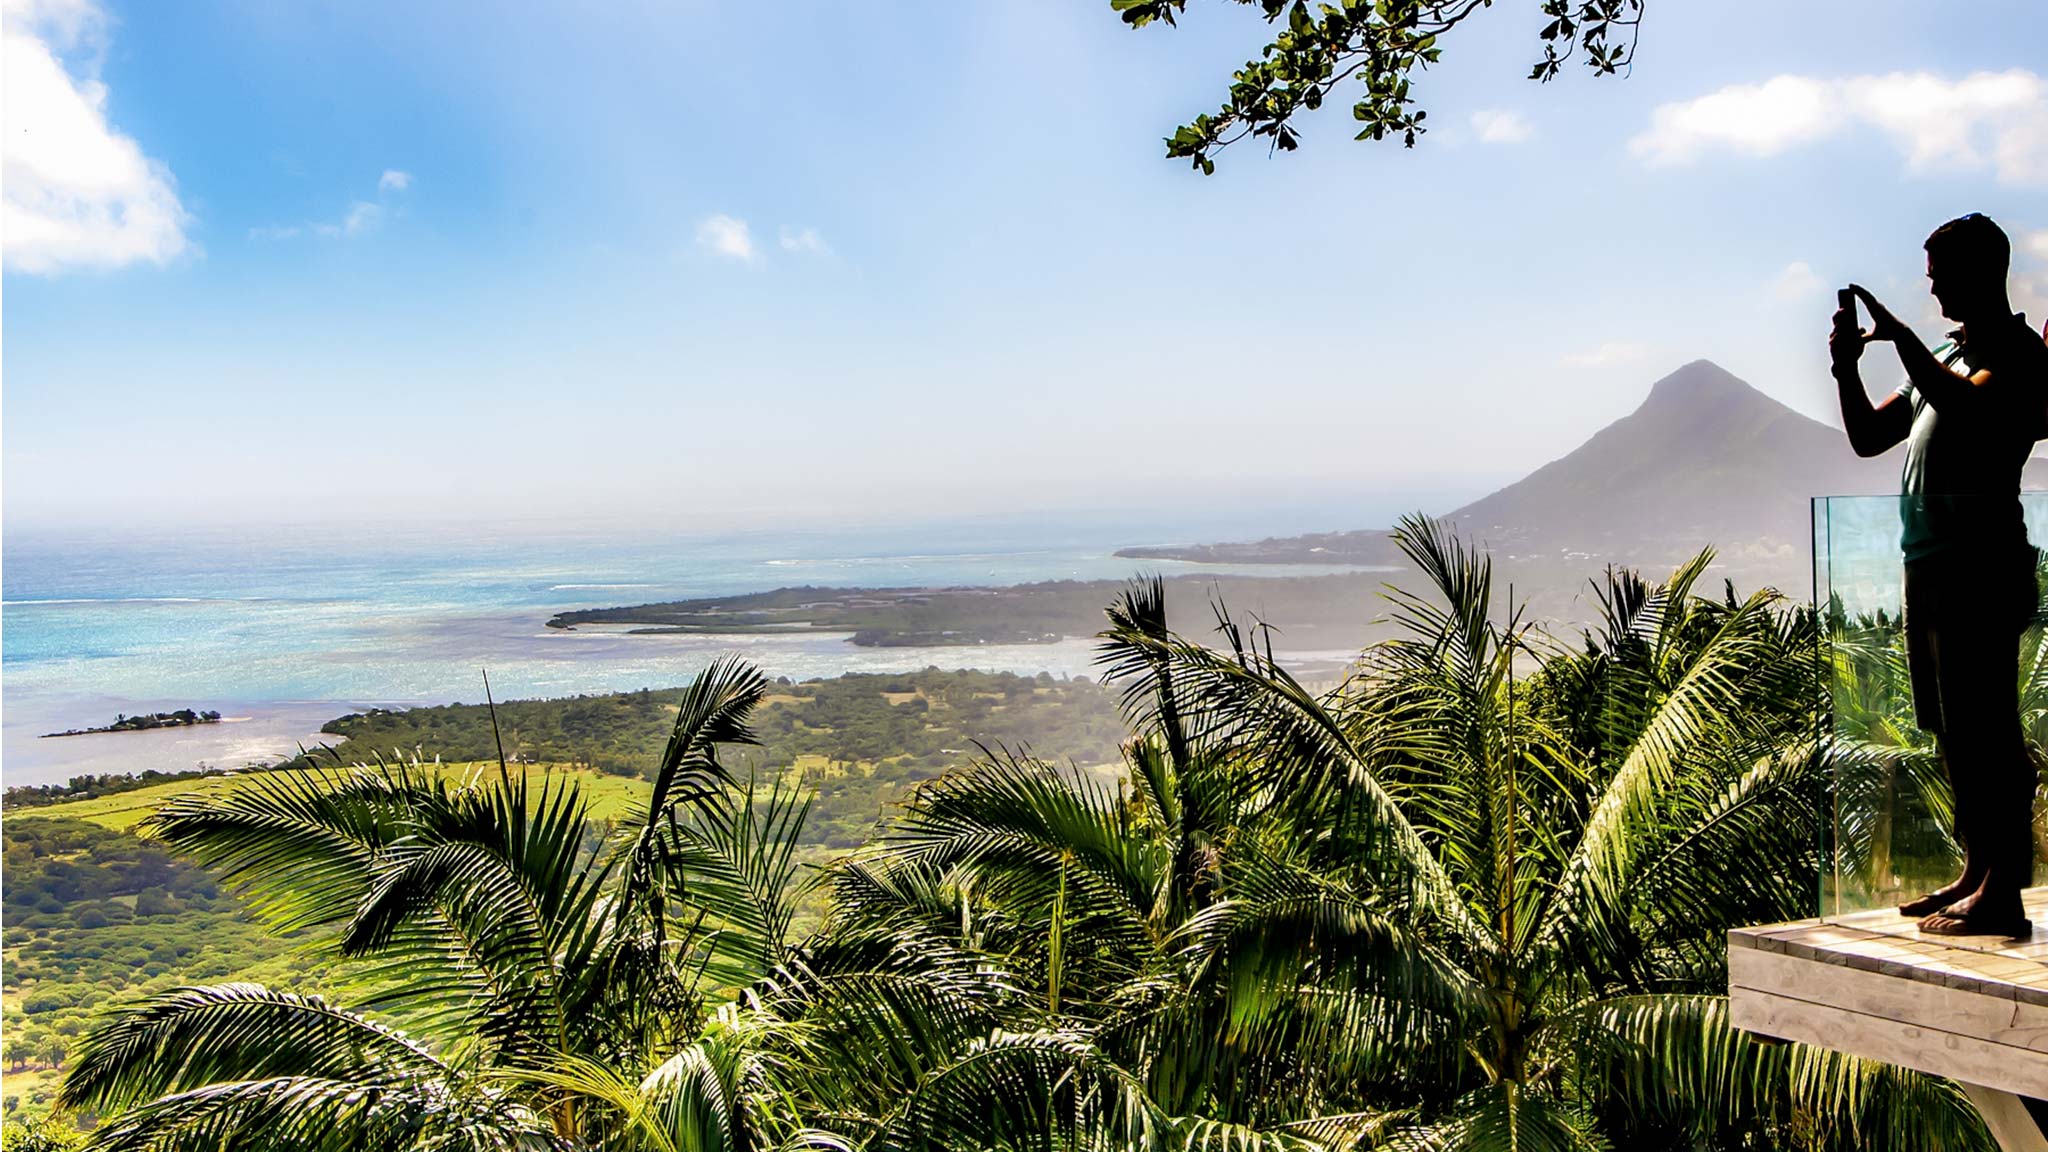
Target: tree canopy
{"type": "Point", "coordinates": [1378, 44]}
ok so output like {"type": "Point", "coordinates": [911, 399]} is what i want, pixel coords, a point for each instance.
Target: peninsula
{"type": "Point", "coordinates": [1324, 612]}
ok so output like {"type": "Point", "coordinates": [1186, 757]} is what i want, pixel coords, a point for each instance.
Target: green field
{"type": "Point", "coordinates": [609, 795]}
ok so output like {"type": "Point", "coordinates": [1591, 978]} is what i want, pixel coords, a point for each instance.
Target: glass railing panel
{"type": "Point", "coordinates": [1892, 834]}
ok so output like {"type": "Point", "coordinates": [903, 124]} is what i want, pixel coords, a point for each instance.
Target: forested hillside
{"type": "Point", "coordinates": [93, 915]}
{"type": "Point", "coordinates": [862, 741]}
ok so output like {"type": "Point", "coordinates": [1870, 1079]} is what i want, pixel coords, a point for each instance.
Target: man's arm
{"type": "Point", "coordinates": [1942, 387]}
{"type": "Point", "coordinates": [1872, 428]}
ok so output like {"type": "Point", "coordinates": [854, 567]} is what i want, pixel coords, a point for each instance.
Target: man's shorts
{"type": "Point", "coordinates": [1964, 612]}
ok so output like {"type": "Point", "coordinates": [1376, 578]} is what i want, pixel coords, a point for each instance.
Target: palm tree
{"type": "Point", "coordinates": [555, 973]}
{"type": "Point", "coordinates": [1476, 897]}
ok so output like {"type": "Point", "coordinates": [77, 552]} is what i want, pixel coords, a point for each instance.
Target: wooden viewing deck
{"type": "Point", "coordinates": [1972, 1008]}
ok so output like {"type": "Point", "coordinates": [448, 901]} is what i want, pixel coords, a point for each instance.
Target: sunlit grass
{"type": "Point", "coordinates": [610, 796]}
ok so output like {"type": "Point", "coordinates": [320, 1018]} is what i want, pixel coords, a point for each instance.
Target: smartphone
{"type": "Point", "coordinates": [1846, 301]}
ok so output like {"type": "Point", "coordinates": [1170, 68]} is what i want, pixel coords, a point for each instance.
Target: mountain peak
{"type": "Point", "coordinates": [1710, 403]}
{"type": "Point", "coordinates": [1699, 379]}
{"type": "Point", "coordinates": [1706, 458]}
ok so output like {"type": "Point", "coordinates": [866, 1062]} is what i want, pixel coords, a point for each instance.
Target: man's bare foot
{"type": "Point", "coordinates": [1980, 915]}
{"type": "Point", "coordinates": [1944, 896]}
{"type": "Point", "coordinates": [1934, 901]}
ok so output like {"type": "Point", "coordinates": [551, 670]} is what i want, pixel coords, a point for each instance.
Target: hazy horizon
{"type": "Point", "coordinates": [1186, 513]}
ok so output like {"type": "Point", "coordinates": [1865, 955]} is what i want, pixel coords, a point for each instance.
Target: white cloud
{"type": "Point", "coordinates": [801, 240]}
{"type": "Point", "coordinates": [2030, 276]}
{"type": "Point", "coordinates": [2030, 297]}
{"type": "Point", "coordinates": [726, 236]}
{"type": "Point", "coordinates": [67, 23]}
{"type": "Point", "coordinates": [78, 194]}
{"type": "Point", "coordinates": [1762, 120]}
{"type": "Point", "coordinates": [1610, 353]}
{"type": "Point", "coordinates": [1498, 126]}
{"type": "Point", "coordinates": [1795, 281]}
{"type": "Point", "coordinates": [1994, 120]}
{"type": "Point", "coordinates": [362, 215]}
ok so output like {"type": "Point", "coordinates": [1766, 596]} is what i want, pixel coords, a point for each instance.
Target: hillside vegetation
{"type": "Point", "coordinates": [95, 916]}
{"type": "Point", "coordinates": [861, 741]}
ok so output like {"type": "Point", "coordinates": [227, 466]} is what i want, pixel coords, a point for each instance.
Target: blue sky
{"type": "Point", "coordinates": [726, 264]}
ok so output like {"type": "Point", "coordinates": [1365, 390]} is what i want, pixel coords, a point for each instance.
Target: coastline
{"type": "Point", "coordinates": [94, 630]}
{"type": "Point", "coordinates": [248, 732]}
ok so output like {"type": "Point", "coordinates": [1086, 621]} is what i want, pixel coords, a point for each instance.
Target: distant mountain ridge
{"type": "Point", "coordinates": [1705, 459]}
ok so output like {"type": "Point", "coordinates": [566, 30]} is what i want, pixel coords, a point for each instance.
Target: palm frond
{"type": "Point", "coordinates": [314, 1114]}
{"type": "Point", "coordinates": [300, 845]}
{"type": "Point", "coordinates": [1675, 1063]}
{"type": "Point", "coordinates": [1018, 824]}
{"type": "Point", "coordinates": [713, 711]}
{"type": "Point", "coordinates": [188, 1038]}
{"type": "Point", "coordinates": [1043, 1090]}
{"type": "Point", "coordinates": [732, 858]}
{"type": "Point", "coordinates": [1701, 706]}
{"type": "Point", "coordinates": [1306, 756]}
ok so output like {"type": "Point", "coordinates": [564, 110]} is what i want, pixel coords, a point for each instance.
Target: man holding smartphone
{"type": "Point", "coordinates": [1969, 413]}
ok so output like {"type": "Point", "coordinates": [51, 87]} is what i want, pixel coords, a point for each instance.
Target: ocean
{"type": "Point", "coordinates": [283, 629]}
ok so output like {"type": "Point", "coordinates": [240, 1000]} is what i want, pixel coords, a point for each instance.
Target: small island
{"type": "Point", "coordinates": [182, 718]}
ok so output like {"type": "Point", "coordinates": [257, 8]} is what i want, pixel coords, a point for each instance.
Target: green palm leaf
{"type": "Point", "coordinates": [190, 1037]}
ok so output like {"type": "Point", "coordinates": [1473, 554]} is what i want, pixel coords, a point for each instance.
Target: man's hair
{"type": "Point", "coordinates": [1975, 244]}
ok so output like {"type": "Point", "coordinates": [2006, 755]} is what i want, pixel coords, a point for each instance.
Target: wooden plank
{"type": "Point", "coordinates": [1993, 966]}
{"type": "Point", "coordinates": [1996, 1019]}
{"type": "Point", "coordinates": [1804, 929]}
{"type": "Point", "coordinates": [1833, 940]}
{"type": "Point", "coordinates": [1877, 919]}
{"type": "Point", "coordinates": [2007, 1117]}
{"type": "Point", "coordinates": [1927, 1050]}
{"type": "Point", "coordinates": [1890, 956]}
{"type": "Point", "coordinates": [1787, 928]}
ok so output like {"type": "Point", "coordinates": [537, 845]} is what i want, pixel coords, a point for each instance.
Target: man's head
{"type": "Point", "coordinates": [1967, 260]}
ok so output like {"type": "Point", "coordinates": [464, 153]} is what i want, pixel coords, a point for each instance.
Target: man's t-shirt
{"type": "Point", "coordinates": [1961, 482]}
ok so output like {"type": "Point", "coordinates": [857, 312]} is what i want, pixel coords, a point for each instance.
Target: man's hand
{"type": "Point", "coordinates": [1883, 325]}
{"type": "Point", "coordinates": [1845, 341]}
{"type": "Point", "coordinates": [1872, 428]}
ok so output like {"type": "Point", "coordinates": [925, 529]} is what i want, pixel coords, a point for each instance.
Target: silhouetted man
{"type": "Point", "coordinates": [1969, 412]}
